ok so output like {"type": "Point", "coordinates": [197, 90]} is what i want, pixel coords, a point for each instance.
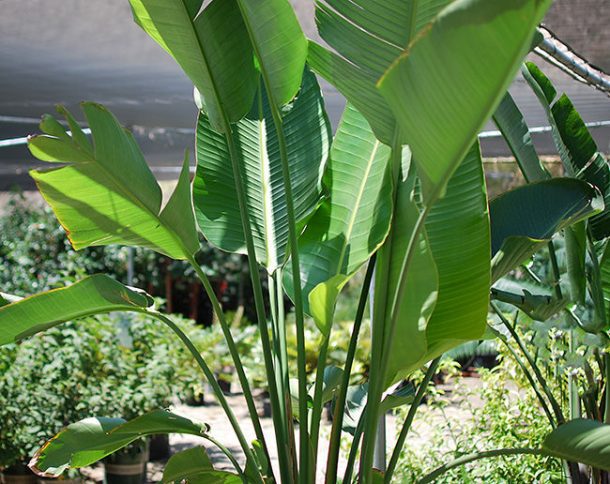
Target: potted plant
{"type": "Point", "coordinates": [33, 399]}
{"type": "Point", "coordinates": [128, 465]}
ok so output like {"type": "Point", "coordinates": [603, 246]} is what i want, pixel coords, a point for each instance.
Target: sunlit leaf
{"type": "Point", "coordinates": [214, 191]}
{"type": "Point", "coordinates": [478, 46]}
{"type": "Point", "coordinates": [352, 221]}
{"type": "Point", "coordinates": [108, 195]}
{"type": "Point", "coordinates": [84, 443]}
{"type": "Point", "coordinates": [93, 295]}
{"type": "Point", "coordinates": [212, 47]}
{"type": "Point", "coordinates": [195, 467]}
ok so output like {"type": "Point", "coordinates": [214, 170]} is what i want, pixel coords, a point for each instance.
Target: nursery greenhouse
{"type": "Point", "coordinates": [305, 241]}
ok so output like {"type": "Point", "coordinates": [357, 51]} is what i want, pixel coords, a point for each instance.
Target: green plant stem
{"type": "Point", "coordinates": [378, 328]}
{"type": "Point", "coordinates": [378, 325]}
{"type": "Point", "coordinates": [595, 285]}
{"type": "Point", "coordinates": [465, 459]}
{"type": "Point", "coordinates": [532, 274]}
{"type": "Point", "coordinates": [211, 380]}
{"type": "Point", "coordinates": [230, 456]}
{"type": "Point", "coordinates": [277, 350]}
{"type": "Point", "coordinates": [298, 294]}
{"type": "Point", "coordinates": [421, 391]}
{"type": "Point", "coordinates": [541, 380]}
{"type": "Point", "coordinates": [239, 368]}
{"type": "Point", "coordinates": [316, 412]}
{"type": "Point", "coordinates": [256, 285]}
{"type": "Point", "coordinates": [296, 273]}
{"type": "Point", "coordinates": [351, 460]}
{"type": "Point", "coordinates": [335, 434]}
{"type": "Point", "coordinates": [607, 396]}
{"type": "Point", "coordinates": [304, 464]}
{"type": "Point", "coordinates": [283, 348]}
{"type": "Point", "coordinates": [282, 443]}
{"type": "Point", "coordinates": [555, 270]}
{"type": "Point", "coordinates": [374, 400]}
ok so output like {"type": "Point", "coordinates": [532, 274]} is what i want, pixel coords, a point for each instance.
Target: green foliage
{"type": "Point", "coordinates": [466, 416]}
{"type": "Point", "coordinates": [260, 161]}
{"type": "Point", "coordinates": [432, 277]}
{"type": "Point", "coordinates": [106, 194]}
{"type": "Point", "coordinates": [81, 369]}
{"type": "Point", "coordinates": [36, 255]}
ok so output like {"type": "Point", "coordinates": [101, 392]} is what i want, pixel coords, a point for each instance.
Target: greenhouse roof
{"type": "Point", "coordinates": [65, 52]}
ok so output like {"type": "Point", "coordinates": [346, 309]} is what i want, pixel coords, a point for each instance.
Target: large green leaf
{"type": "Point", "coordinates": [459, 245]}
{"type": "Point", "coordinates": [84, 443]}
{"type": "Point", "coordinates": [195, 467]}
{"type": "Point", "coordinates": [408, 345]}
{"type": "Point", "coordinates": [279, 44]}
{"type": "Point", "coordinates": [307, 136]}
{"type": "Point", "coordinates": [478, 46]}
{"type": "Point", "coordinates": [107, 194]}
{"type": "Point", "coordinates": [354, 219]}
{"type": "Point", "coordinates": [525, 218]}
{"type": "Point", "coordinates": [511, 124]}
{"type": "Point", "coordinates": [367, 35]}
{"type": "Point", "coordinates": [577, 149]}
{"type": "Point", "coordinates": [211, 46]}
{"type": "Point", "coordinates": [575, 238]}
{"type": "Point", "coordinates": [584, 441]}
{"type": "Point", "coordinates": [458, 231]}
{"type": "Point", "coordinates": [92, 295]}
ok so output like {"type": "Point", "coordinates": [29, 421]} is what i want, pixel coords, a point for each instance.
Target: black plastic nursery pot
{"type": "Point", "coordinates": [127, 466]}
{"type": "Point", "coordinates": [194, 398]}
{"type": "Point", "coordinates": [18, 474]}
{"type": "Point", "coordinates": [76, 480]}
{"type": "Point", "coordinates": [159, 447]}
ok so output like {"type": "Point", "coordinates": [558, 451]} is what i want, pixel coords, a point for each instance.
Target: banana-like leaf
{"type": "Point", "coordinates": [525, 218]}
{"type": "Point", "coordinates": [577, 149]}
{"type": "Point", "coordinates": [279, 44]}
{"type": "Point", "coordinates": [211, 46]}
{"type": "Point", "coordinates": [510, 122]}
{"type": "Point", "coordinates": [195, 467]}
{"type": "Point", "coordinates": [458, 232]}
{"type": "Point", "coordinates": [352, 222]}
{"type": "Point", "coordinates": [409, 343]}
{"type": "Point", "coordinates": [367, 36]}
{"type": "Point", "coordinates": [84, 443]}
{"type": "Point", "coordinates": [581, 440]}
{"type": "Point", "coordinates": [107, 194]}
{"type": "Point", "coordinates": [532, 299]}
{"type": "Point", "coordinates": [92, 295]}
{"type": "Point", "coordinates": [452, 77]}
{"type": "Point", "coordinates": [576, 250]}
{"type": "Point", "coordinates": [308, 135]}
